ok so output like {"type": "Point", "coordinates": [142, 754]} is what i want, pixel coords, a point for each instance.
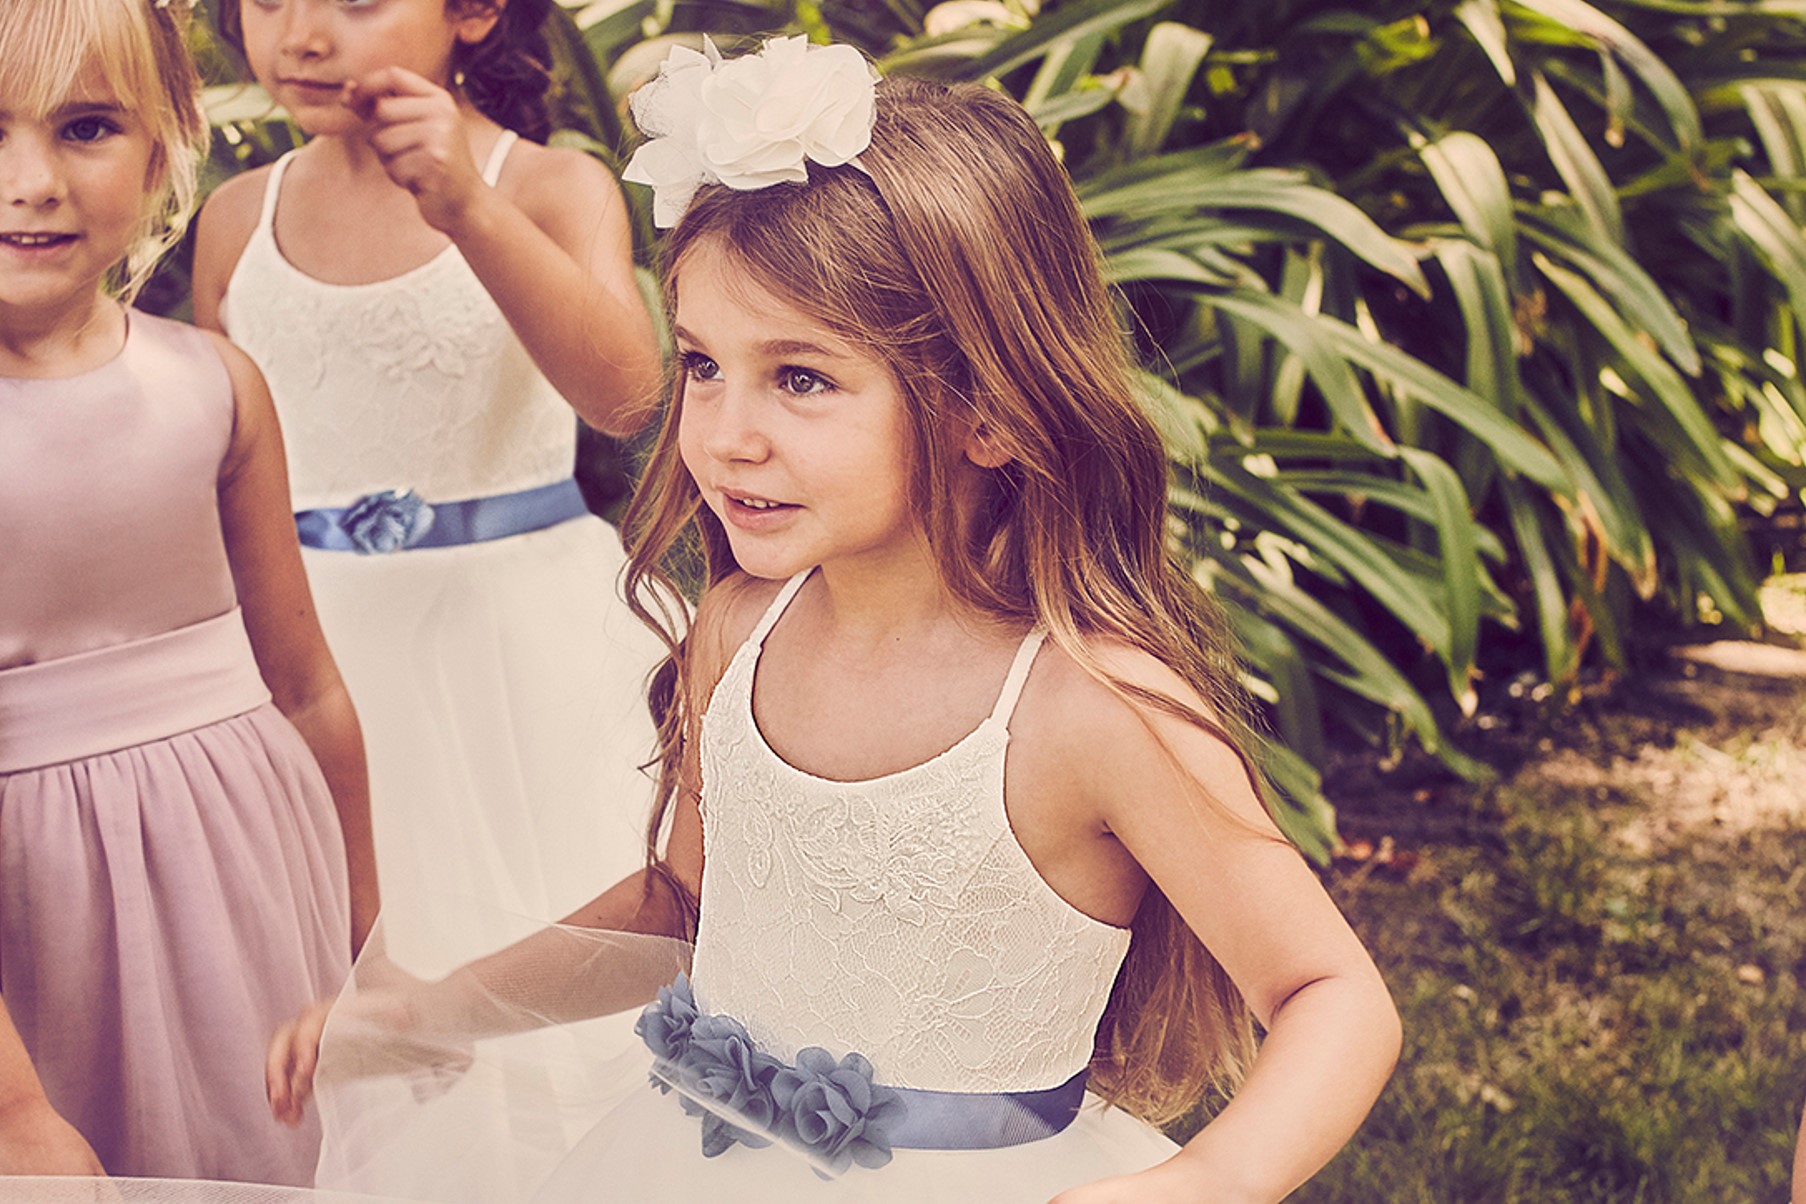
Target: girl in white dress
{"type": "Point", "coordinates": [431, 298]}
{"type": "Point", "coordinates": [953, 788]}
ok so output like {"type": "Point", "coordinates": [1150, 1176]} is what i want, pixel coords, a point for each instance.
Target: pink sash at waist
{"type": "Point", "coordinates": [113, 698]}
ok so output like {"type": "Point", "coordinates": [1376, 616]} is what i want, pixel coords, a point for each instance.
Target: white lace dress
{"type": "Point", "coordinates": [499, 684]}
{"type": "Point", "coordinates": [896, 918]}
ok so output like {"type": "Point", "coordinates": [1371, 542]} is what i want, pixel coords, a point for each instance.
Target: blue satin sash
{"type": "Point", "coordinates": [971, 1120]}
{"type": "Point", "coordinates": [399, 521]}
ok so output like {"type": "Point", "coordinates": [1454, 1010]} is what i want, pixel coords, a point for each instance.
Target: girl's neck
{"type": "Point", "coordinates": [71, 340]}
{"type": "Point", "coordinates": [875, 606]}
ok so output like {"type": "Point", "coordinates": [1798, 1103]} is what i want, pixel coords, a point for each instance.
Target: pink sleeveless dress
{"type": "Point", "coordinates": [172, 875]}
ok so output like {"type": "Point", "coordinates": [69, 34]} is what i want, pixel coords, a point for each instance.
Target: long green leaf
{"type": "Point", "coordinates": [1656, 75]}
{"type": "Point", "coordinates": [1457, 543]}
{"type": "Point", "coordinates": [1575, 161]}
{"type": "Point", "coordinates": [1069, 23]}
{"type": "Point", "coordinates": [1487, 28]}
{"type": "Point", "coordinates": [1472, 180]}
{"type": "Point", "coordinates": [1170, 58]}
{"type": "Point", "coordinates": [1312, 335]}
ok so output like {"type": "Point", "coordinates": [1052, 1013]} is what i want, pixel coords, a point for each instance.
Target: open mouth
{"type": "Point", "coordinates": [749, 505]}
{"type": "Point", "coordinates": [36, 242]}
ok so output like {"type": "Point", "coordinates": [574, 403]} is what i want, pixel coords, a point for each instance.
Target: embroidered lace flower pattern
{"type": "Point", "coordinates": [897, 917]}
{"type": "Point", "coordinates": [400, 380]}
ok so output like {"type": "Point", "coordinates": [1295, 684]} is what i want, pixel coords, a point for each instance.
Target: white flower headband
{"type": "Point", "coordinates": [749, 122]}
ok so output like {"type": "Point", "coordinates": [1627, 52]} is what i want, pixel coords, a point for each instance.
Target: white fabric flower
{"type": "Point", "coordinates": [749, 122]}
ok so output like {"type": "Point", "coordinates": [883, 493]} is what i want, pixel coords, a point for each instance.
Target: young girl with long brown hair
{"type": "Point", "coordinates": [955, 787]}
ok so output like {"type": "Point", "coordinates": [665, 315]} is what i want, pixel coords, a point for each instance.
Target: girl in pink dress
{"type": "Point", "coordinates": [184, 839]}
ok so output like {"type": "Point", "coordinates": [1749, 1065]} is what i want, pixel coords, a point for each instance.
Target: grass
{"type": "Point", "coordinates": [1598, 957]}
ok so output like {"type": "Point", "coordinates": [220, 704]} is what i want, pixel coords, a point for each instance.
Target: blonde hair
{"type": "Point", "coordinates": [141, 52]}
{"type": "Point", "coordinates": [963, 262]}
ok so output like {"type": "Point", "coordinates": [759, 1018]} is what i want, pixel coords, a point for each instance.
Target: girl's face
{"type": "Point", "coordinates": [73, 185]}
{"type": "Point", "coordinates": [797, 440]}
{"type": "Point", "coordinates": [305, 51]}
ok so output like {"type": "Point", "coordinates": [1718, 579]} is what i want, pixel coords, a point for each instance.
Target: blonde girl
{"type": "Point", "coordinates": [955, 789]}
{"type": "Point", "coordinates": [184, 840]}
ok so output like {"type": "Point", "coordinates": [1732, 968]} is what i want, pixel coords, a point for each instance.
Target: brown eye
{"type": "Point", "coordinates": [803, 382]}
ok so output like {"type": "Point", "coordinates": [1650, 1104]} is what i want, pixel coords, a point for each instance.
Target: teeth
{"type": "Point", "coordinates": [32, 240]}
{"type": "Point", "coordinates": [754, 503]}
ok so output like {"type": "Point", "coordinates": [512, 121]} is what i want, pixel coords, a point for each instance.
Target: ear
{"type": "Point", "coordinates": [983, 447]}
{"type": "Point", "coordinates": [473, 19]}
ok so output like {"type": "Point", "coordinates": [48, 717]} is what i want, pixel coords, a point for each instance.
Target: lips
{"type": "Point", "coordinates": [35, 239]}
{"type": "Point", "coordinates": [754, 503]}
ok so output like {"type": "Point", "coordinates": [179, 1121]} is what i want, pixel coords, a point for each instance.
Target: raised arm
{"type": "Point", "coordinates": [285, 632]}
{"type": "Point", "coordinates": [552, 244]}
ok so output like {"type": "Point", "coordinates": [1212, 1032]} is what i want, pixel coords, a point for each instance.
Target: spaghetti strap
{"type": "Point", "coordinates": [1018, 676]}
{"type": "Point", "coordinates": [272, 188]}
{"type": "Point", "coordinates": [776, 610]}
{"type": "Point", "coordinates": [498, 154]}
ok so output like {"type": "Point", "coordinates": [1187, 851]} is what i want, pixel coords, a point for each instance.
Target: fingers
{"type": "Point", "coordinates": [390, 81]}
{"type": "Point", "coordinates": [294, 1056]}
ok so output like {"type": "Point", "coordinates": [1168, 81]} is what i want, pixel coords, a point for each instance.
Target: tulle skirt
{"type": "Point", "coordinates": [500, 686]}
{"type": "Point", "coordinates": [648, 1148]}
{"type": "Point", "coordinates": [416, 1108]}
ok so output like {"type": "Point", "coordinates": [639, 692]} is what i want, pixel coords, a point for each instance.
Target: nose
{"type": "Point", "coordinates": [29, 176]}
{"type": "Point", "coordinates": [733, 426]}
{"type": "Point", "coordinates": [303, 33]}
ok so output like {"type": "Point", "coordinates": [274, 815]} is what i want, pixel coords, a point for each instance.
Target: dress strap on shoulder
{"type": "Point", "coordinates": [1018, 676]}
{"type": "Point", "coordinates": [498, 154]}
{"type": "Point", "coordinates": [776, 610]}
{"type": "Point", "coordinates": [272, 188]}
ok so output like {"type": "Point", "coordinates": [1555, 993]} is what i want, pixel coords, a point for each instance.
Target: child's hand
{"type": "Point", "coordinates": [288, 1071]}
{"type": "Point", "coordinates": [418, 133]}
{"type": "Point", "coordinates": [35, 1140]}
{"type": "Point", "coordinates": [379, 1032]}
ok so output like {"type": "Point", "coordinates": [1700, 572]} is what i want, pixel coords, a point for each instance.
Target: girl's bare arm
{"type": "Point", "coordinates": [1179, 801]}
{"type": "Point", "coordinates": [285, 632]}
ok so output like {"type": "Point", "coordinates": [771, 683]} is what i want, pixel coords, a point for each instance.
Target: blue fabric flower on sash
{"type": "Point", "coordinates": [387, 521]}
{"type": "Point", "coordinates": [832, 1111]}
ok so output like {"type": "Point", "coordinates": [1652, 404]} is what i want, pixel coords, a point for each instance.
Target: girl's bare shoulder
{"type": "Point", "coordinates": [1097, 728]}
{"type": "Point", "coordinates": [548, 182]}
{"type": "Point", "coordinates": [725, 617]}
{"type": "Point", "coordinates": [226, 224]}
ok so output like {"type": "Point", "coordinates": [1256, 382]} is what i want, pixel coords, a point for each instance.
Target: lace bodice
{"type": "Point", "coordinates": [412, 382]}
{"type": "Point", "coordinates": [896, 917]}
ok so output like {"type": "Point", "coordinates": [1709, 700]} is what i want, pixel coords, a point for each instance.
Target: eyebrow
{"type": "Point", "coordinates": [76, 108]}
{"type": "Point", "coordinates": [776, 348]}
{"type": "Point", "coordinates": [89, 108]}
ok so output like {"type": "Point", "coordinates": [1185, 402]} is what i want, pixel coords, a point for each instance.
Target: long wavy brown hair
{"type": "Point", "coordinates": [955, 251]}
